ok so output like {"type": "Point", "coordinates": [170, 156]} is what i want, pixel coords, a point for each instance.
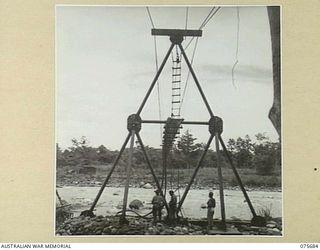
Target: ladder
{"type": "Point", "coordinates": [176, 87]}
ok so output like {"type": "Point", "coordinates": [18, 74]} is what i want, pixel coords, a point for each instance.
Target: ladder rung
{"type": "Point", "coordinates": [176, 75]}
{"type": "Point", "coordinates": [175, 102]}
{"type": "Point", "coordinates": [175, 81]}
{"type": "Point", "coordinates": [176, 67]}
{"type": "Point", "coordinates": [175, 88]}
{"type": "Point", "coordinates": [176, 95]}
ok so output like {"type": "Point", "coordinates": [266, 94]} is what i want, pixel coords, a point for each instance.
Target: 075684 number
{"type": "Point", "coordinates": [311, 245]}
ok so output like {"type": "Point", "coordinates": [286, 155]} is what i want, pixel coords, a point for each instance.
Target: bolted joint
{"type": "Point", "coordinates": [215, 125]}
{"type": "Point", "coordinates": [134, 123]}
{"type": "Point", "coordinates": [176, 39]}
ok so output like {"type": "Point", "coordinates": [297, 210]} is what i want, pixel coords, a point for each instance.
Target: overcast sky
{"type": "Point", "coordinates": [106, 63]}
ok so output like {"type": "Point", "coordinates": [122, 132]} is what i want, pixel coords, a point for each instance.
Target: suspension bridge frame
{"type": "Point", "coordinates": [215, 124]}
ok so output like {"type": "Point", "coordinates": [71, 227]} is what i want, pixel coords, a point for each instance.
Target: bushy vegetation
{"type": "Point", "coordinates": [259, 162]}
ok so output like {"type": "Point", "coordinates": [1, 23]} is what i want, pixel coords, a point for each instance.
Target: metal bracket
{"type": "Point", "coordinates": [215, 125]}
{"type": "Point", "coordinates": [134, 123]}
{"type": "Point", "coordinates": [176, 39]}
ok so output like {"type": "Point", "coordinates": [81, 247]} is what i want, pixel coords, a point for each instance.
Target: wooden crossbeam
{"type": "Point", "coordinates": [175, 32]}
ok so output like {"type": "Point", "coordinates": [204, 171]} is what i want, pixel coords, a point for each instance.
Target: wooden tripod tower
{"type": "Point", "coordinates": [215, 127]}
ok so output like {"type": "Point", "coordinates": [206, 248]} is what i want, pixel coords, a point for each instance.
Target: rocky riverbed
{"type": "Point", "coordinates": [81, 198]}
{"type": "Point", "coordinates": [109, 225]}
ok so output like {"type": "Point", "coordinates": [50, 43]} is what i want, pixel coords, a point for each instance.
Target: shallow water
{"type": "Point", "coordinates": [112, 198]}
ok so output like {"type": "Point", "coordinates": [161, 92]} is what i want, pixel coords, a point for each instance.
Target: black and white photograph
{"type": "Point", "coordinates": [168, 121]}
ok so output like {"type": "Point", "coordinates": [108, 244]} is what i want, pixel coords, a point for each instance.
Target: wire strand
{"type": "Point", "coordinates": [188, 76]}
{"type": "Point", "coordinates": [149, 14]}
{"type": "Point", "coordinates": [215, 12]}
{"type": "Point", "coordinates": [187, 16]}
{"type": "Point", "coordinates": [204, 23]}
{"type": "Point", "coordinates": [158, 84]}
{"type": "Point", "coordinates": [237, 48]}
{"type": "Point", "coordinates": [157, 68]}
{"type": "Point", "coordinates": [206, 18]}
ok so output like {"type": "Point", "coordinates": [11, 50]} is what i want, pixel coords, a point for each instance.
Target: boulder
{"type": "Point", "coordinates": [178, 230]}
{"type": "Point", "coordinates": [168, 231]}
{"type": "Point", "coordinates": [185, 230]}
{"type": "Point", "coordinates": [270, 225]}
{"type": "Point", "coordinates": [147, 186]}
{"type": "Point", "coordinates": [141, 184]}
{"type": "Point", "coordinates": [106, 230]}
{"type": "Point", "coordinates": [152, 231]}
{"type": "Point", "coordinates": [136, 204]}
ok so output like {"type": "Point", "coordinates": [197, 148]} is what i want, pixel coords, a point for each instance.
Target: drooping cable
{"type": "Point", "coordinates": [207, 17]}
{"type": "Point", "coordinates": [237, 47]}
{"type": "Point", "coordinates": [157, 68]}
{"type": "Point", "coordinates": [190, 41]}
{"type": "Point", "coordinates": [150, 17]}
{"type": "Point", "coordinates": [204, 23]}
{"type": "Point", "coordinates": [187, 16]}
{"type": "Point", "coordinates": [188, 76]}
{"type": "Point", "coordinates": [158, 84]}
{"type": "Point", "coordinates": [207, 21]}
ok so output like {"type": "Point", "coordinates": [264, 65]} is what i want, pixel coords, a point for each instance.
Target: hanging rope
{"type": "Point", "coordinates": [157, 68]}
{"type": "Point", "coordinates": [237, 47]}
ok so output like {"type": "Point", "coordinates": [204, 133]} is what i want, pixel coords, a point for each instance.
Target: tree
{"type": "Point", "coordinates": [186, 145]}
{"type": "Point", "coordinates": [267, 155]}
{"type": "Point", "coordinates": [60, 157]}
{"type": "Point", "coordinates": [81, 152]}
{"type": "Point", "coordinates": [242, 150]}
{"type": "Point", "coordinates": [104, 155]}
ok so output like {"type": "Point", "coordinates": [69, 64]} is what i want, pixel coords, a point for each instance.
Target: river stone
{"type": "Point", "coordinates": [274, 231]}
{"type": "Point", "coordinates": [136, 204]}
{"type": "Point", "coordinates": [185, 230]}
{"type": "Point", "coordinates": [178, 230]}
{"type": "Point", "coordinates": [235, 218]}
{"type": "Point", "coordinates": [198, 232]}
{"type": "Point", "coordinates": [160, 226]}
{"type": "Point", "coordinates": [271, 225]}
{"type": "Point", "coordinates": [168, 231]}
{"type": "Point", "coordinates": [272, 222]}
{"type": "Point", "coordinates": [106, 230]}
{"type": "Point", "coordinates": [114, 230]}
{"type": "Point", "coordinates": [147, 186]}
{"type": "Point", "coordinates": [141, 184]}
{"type": "Point", "coordinates": [152, 231]}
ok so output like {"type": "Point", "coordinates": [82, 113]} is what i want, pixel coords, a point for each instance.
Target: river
{"type": "Point", "coordinates": [111, 200]}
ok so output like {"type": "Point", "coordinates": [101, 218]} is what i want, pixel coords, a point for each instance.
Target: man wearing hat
{"type": "Point", "coordinates": [158, 203]}
{"type": "Point", "coordinates": [172, 207]}
{"type": "Point", "coordinates": [211, 204]}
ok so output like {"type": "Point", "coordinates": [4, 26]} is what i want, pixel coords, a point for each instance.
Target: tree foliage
{"type": "Point", "coordinates": [262, 155]}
